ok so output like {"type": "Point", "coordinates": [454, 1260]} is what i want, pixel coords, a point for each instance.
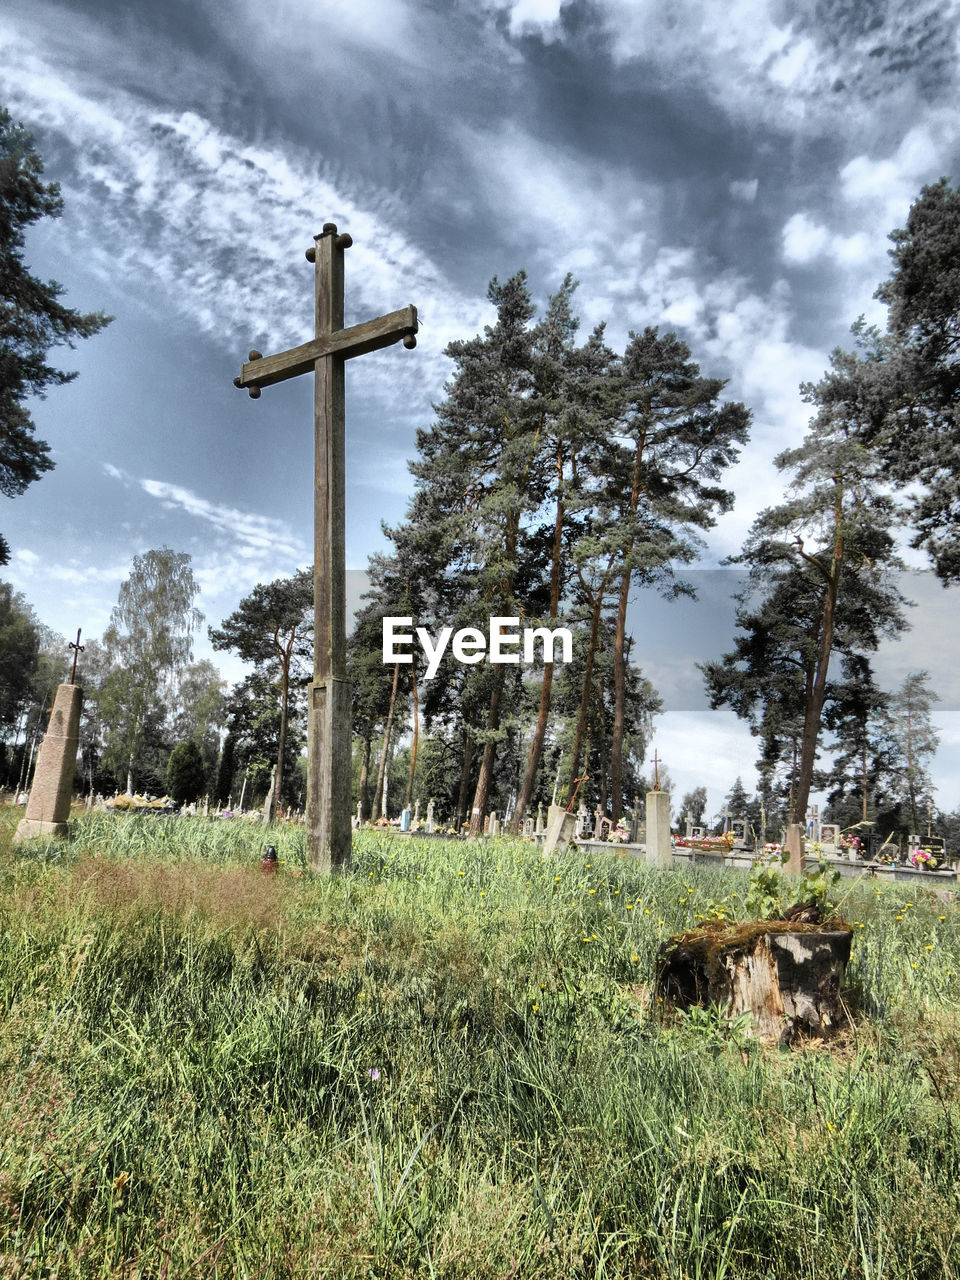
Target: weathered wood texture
{"type": "Point", "coordinates": [787, 976]}
{"type": "Point", "coordinates": [359, 339]}
{"type": "Point", "coordinates": [329, 706]}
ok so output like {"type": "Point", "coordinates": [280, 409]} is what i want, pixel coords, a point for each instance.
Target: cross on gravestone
{"type": "Point", "coordinates": [77, 648]}
{"type": "Point", "coordinates": [329, 705]}
{"type": "Point", "coordinates": [656, 762]}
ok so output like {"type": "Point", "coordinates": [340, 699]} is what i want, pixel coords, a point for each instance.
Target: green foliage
{"type": "Point", "coordinates": [769, 892]}
{"type": "Point", "coordinates": [818, 597]}
{"type": "Point", "coordinates": [694, 805]}
{"type": "Point", "coordinates": [817, 885]}
{"type": "Point", "coordinates": [712, 1029]}
{"type": "Point", "coordinates": [147, 645]}
{"type": "Point", "coordinates": [19, 653]}
{"type": "Point", "coordinates": [32, 319]}
{"type": "Point", "coordinates": [765, 899]}
{"type": "Point", "coordinates": [186, 773]}
{"type": "Point", "coordinates": [272, 627]}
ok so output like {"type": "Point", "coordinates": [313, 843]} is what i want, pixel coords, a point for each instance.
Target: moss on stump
{"type": "Point", "coordinates": [787, 975]}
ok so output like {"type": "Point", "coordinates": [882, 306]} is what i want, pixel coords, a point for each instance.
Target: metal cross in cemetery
{"type": "Point", "coordinates": [77, 648]}
{"type": "Point", "coordinates": [656, 762]}
{"type": "Point", "coordinates": [329, 710]}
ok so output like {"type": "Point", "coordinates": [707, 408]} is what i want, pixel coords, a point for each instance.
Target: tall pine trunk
{"type": "Point", "coordinates": [381, 772]}
{"type": "Point", "coordinates": [619, 657]}
{"type": "Point", "coordinates": [365, 780]}
{"type": "Point", "coordinates": [535, 753]}
{"type": "Point", "coordinates": [817, 681]}
{"type": "Point", "coordinates": [619, 702]}
{"type": "Point", "coordinates": [463, 798]}
{"type": "Point", "coordinates": [274, 797]}
{"type": "Point", "coordinates": [416, 738]}
{"type": "Point", "coordinates": [587, 687]}
{"type": "Point", "coordinates": [485, 778]}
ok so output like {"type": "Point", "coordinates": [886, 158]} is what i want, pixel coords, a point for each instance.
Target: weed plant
{"type": "Point", "coordinates": [446, 1062]}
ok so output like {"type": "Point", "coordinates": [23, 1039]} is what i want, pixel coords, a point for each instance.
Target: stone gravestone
{"type": "Point", "coordinates": [659, 849]}
{"type": "Point", "coordinates": [635, 821]}
{"type": "Point", "coordinates": [429, 826]}
{"type": "Point", "coordinates": [582, 829]}
{"type": "Point", "coordinates": [538, 829]}
{"type": "Point", "coordinates": [813, 823]}
{"type": "Point", "coordinates": [561, 828]}
{"type": "Point", "coordinates": [48, 806]}
{"type": "Point", "coordinates": [830, 838]}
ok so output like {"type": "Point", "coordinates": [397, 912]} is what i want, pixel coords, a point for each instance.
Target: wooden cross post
{"type": "Point", "coordinates": [329, 710]}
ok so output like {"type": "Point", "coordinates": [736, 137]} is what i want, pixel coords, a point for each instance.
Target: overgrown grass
{"type": "Point", "coordinates": [446, 1063]}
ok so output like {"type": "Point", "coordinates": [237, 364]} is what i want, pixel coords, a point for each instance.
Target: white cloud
{"type": "Point", "coordinates": [705, 749]}
{"type": "Point", "coordinates": [222, 224]}
{"type": "Point", "coordinates": [530, 15]}
{"type": "Point", "coordinates": [806, 241]}
{"type": "Point", "coordinates": [803, 239]}
{"type": "Point", "coordinates": [255, 533]}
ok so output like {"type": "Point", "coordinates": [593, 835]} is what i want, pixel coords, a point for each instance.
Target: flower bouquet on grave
{"type": "Point", "coordinates": [925, 859]}
{"type": "Point", "coordinates": [854, 847]}
{"type": "Point", "coordinates": [710, 844]}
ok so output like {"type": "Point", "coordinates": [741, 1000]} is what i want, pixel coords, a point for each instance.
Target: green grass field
{"type": "Point", "coordinates": [446, 1063]}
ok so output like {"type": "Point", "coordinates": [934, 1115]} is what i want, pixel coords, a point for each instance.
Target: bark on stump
{"type": "Point", "coordinates": [788, 976]}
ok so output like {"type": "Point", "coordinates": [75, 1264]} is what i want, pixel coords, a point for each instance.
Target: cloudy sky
{"type": "Point", "coordinates": [729, 172]}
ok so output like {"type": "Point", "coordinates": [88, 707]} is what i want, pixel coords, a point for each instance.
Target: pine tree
{"type": "Point", "coordinates": [909, 717]}
{"type": "Point", "coordinates": [273, 627]}
{"type": "Point", "coordinates": [673, 440]}
{"type": "Point", "coordinates": [32, 319]}
{"type": "Point", "coordinates": [479, 478]}
{"type": "Point", "coordinates": [904, 385]}
{"type": "Point", "coordinates": [819, 582]}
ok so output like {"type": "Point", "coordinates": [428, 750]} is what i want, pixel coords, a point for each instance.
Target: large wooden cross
{"type": "Point", "coordinates": [329, 710]}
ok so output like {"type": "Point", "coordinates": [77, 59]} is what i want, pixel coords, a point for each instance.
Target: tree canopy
{"type": "Point", "coordinates": [32, 317]}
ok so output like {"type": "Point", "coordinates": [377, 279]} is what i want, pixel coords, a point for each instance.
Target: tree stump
{"type": "Point", "coordinates": [785, 974]}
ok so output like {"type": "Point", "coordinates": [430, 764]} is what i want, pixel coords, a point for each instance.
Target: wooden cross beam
{"type": "Point", "coordinates": [329, 708]}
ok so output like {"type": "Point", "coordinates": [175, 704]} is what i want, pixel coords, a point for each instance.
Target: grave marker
{"type": "Point", "coordinates": [48, 805]}
{"type": "Point", "coordinates": [329, 705]}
